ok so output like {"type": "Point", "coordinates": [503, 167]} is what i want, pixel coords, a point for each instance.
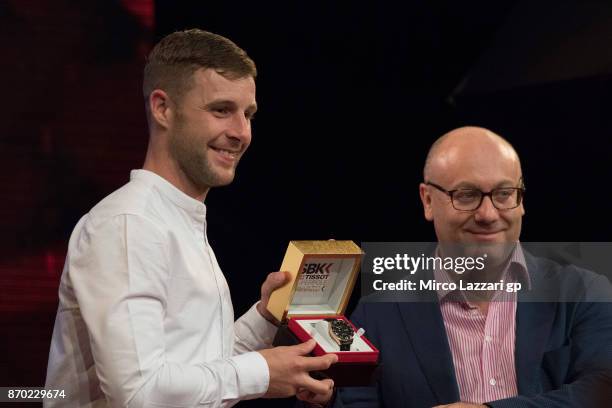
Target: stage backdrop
{"type": "Point", "coordinates": [351, 96]}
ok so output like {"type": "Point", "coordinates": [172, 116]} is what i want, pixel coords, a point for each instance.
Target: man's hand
{"type": "Point", "coordinates": [317, 399]}
{"type": "Point", "coordinates": [461, 405]}
{"type": "Point", "coordinates": [274, 281]}
{"type": "Point", "coordinates": [289, 372]}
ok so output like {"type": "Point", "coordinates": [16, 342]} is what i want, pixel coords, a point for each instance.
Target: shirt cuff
{"type": "Point", "coordinates": [254, 331]}
{"type": "Point", "coordinates": [253, 374]}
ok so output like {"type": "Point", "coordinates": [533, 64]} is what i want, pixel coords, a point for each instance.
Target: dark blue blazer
{"type": "Point", "coordinates": [563, 350]}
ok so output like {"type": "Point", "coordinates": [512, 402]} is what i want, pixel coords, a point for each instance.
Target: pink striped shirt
{"type": "Point", "coordinates": [483, 345]}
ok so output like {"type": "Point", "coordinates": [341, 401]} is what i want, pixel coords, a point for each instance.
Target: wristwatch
{"type": "Point", "coordinates": [341, 332]}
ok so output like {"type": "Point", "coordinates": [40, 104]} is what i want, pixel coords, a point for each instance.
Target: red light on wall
{"type": "Point", "coordinates": [143, 10]}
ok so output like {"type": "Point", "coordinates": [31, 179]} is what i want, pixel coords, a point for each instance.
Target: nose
{"type": "Point", "coordinates": [486, 213]}
{"type": "Point", "coordinates": [240, 129]}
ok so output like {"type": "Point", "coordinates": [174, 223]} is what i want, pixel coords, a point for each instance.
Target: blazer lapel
{"type": "Point", "coordinates": [533, 324]}
{"type": "Point", "coordinates": [425, 327]}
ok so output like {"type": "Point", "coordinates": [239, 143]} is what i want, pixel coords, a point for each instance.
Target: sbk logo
{"type": "Point", "coordinates": [315, 268]}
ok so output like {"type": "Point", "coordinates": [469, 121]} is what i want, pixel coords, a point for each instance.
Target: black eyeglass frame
{"type": "Point", "coordinates": [520, 193]}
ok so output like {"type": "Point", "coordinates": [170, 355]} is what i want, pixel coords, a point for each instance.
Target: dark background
{"type": "Point", "coordinates": [351, 95]}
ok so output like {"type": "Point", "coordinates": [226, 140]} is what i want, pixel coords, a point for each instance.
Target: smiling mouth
{"type": "Point", "coordinates": [227, 154]}
{"type": "Point", "coordinates": [484, 234]}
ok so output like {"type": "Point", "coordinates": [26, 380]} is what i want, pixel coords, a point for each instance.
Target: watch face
{"type": "Point", "coordinates": [342, 330]}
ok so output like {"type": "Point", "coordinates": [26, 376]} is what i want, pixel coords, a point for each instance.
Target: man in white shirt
{"type": "Point", "coordinates": [145, 316]}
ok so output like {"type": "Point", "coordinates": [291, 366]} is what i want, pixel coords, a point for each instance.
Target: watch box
{"type": "Point", "coordinates": [312, 305]}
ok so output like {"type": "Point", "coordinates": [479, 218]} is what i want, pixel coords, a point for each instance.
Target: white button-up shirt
{"type": "Point", "coordinates": [145, 317]}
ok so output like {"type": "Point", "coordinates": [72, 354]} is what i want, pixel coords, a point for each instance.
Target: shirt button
{"type": "Point", "coordinates": [492, 381]}
{"type": "Point", "coordinates": [488, 339]}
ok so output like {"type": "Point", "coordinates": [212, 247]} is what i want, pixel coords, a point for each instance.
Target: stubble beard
{"type": "Point", "coordinates": [192, 159]}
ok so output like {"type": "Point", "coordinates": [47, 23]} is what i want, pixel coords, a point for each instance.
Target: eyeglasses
{"type": "Point", "coordinates": [470, 199]}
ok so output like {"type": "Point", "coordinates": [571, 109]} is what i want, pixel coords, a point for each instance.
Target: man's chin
{"type": "Point", "coordinates": [223, 178]}
{"type": "Point", "coordinates": [497, 250]}
{"type": "Point", "coordinates": [209, 179]}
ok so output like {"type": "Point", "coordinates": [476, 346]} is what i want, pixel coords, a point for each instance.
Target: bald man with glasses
{"type": "Point", "coordinates": [497, 350]}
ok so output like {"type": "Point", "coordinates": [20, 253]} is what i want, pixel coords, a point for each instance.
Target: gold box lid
{"type": "Point", "coordinates": [323, 274]}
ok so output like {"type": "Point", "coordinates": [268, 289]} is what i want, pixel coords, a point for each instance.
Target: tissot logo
{"type": "Point", "coordinates": [317, 268]}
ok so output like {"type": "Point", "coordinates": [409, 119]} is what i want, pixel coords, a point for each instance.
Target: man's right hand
{"type": "Point", "coordinates": [289, 370]}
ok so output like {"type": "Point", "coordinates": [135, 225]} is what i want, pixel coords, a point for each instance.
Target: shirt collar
{"type": "Point", "coordinates": [193, 207]}
{"type": "Point", "coordinates": [516, 270]}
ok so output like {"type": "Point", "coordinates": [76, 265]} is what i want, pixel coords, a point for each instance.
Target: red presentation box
{"type": "Point", "coordinates": [312, 304]}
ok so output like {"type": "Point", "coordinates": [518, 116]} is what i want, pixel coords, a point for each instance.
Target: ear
{"type": "Point", "coordinates": [426, 200]}
{"type": "Point", "coordinates": [160, 108]}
